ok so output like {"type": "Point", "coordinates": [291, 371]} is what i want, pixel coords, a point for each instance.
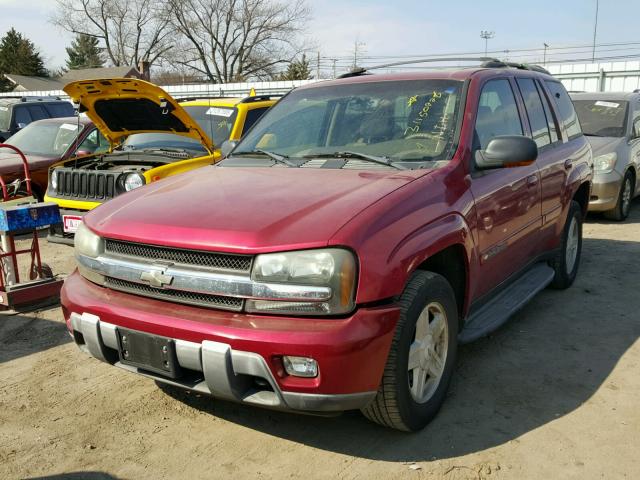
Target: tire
{"type": "Point", "coordinates": [567, 260]}
{"type": "Point", "coordinates": [395, 405]}
{"type": "Point", "coordinates": [620, 212]}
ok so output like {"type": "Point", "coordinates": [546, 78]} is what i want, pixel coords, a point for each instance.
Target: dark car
{"type": "Point", "coordinates": [18, 112]}
{"type": "Point", "coordinates": [46, 142]}
{"type": "Point", "coordinates": [359, 232]}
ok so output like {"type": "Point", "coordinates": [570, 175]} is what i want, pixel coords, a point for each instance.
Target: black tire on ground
{"type": "Point", "coordinates": [394, 406]}
{"type": "Point", "coordinates": [565, 274]}
{"type": "Point", "coordinates": [621, 211]}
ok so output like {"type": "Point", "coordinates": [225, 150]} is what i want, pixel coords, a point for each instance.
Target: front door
{"type": "Point", "coordinates": [507, 199]}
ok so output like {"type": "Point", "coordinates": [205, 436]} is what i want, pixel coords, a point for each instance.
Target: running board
{"type": "Point", "coordinates": [495, 313]}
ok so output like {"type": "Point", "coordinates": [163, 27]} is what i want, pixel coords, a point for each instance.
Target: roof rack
{"type": "Point", "coordinates": [486, 62]}
{"type": "Point", "coordinates": [202, 97]}
{"type": "Point", "coordinates": [261, 98]}
{"type": "Point", "coordinates": [22, 98]}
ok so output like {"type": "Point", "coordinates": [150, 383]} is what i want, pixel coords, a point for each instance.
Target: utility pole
{"type": "Point", "coordinates": [544, 58]}
{"type": "Point", "coordinates": [357, 45]}
{"type": "Point", "coordinates": [487, 35]}
{"type": "Point", "coordinates": [595, 31]}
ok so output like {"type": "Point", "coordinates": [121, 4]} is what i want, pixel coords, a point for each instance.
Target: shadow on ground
{"type": "Point", "coordinates": [77, 476]}
{"type": "Point", "coordinates": [545, 363]}
{"type": "Point", "coordinates": [24, 334]}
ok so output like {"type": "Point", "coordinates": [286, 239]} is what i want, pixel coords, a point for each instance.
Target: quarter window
{"type": "Point", "coordinates": [565, 109]}
{"type": "Point", "coordinates": [535, 112]}
{"type": "Point", "coordinates": [497, 113]}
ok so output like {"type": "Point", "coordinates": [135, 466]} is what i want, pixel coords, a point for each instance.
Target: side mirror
{"type": "Point", "coordinates": [227, 147]}
{"type": "Point", "coordinates": [507, 151]}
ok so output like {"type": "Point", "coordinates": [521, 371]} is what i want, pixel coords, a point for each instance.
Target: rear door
{"type": "Point", "coordinates": [507, 199]}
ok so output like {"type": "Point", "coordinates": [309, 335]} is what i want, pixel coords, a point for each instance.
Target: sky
{"type": "Point", "coordinates": [404, 27]}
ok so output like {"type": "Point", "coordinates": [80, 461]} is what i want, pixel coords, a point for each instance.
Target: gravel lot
{"type": "Point", "coordinates": [553, 394]}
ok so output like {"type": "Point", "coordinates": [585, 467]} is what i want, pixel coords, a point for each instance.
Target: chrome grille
{"type": "Point", "coordinates": [217, 261]}
{"type": "Point", "coordinates": [190, 298]}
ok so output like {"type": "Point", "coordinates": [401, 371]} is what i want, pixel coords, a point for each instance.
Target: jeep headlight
{"type": "Point", "coordinates": [605, 163]}
{"type": "Point", "coordinates": [133, 181]}
{"type": "Point", "coordinates": [334, 268]}
{"type": "Point", "coordinates": [87, 243]}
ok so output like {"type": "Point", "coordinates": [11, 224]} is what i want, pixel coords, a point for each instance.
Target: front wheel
{"type": "Point", "coordinates": [422, 356]}
{"type": "Point", "coordinates": [567, 260]}
{"type": "Point", "coordinates": [621, 211]}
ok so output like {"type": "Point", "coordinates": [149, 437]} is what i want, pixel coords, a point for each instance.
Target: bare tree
{"type": "Point", "coordinates": [131, 31]}
{"type": "Point", "coordinates": [233, 40]}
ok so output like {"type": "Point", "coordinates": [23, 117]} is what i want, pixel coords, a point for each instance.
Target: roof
{"type": "Point", "coordinates": [6, 101]}
{"type": "Point", "coordinates": [81, 120]}
{"type": "Point", "coordinates": [606, 96]}
{"type": "Point", "coordinates": [98, 73]}
{"type": "Point", "coordinates": [27, 83]}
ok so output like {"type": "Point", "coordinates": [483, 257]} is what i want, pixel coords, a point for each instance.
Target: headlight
{"type": "Point", "coordinates": [133, 181]}
{"type": "Point", "coordinates": [605, 163]}
{"type": "Point", "coordinates": [87, 243]}
{"type": "Point", "coordinates": [54, 179]}
{"type": "Point", "coordinates": [332, 267]}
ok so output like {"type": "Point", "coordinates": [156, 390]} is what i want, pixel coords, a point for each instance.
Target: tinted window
{"type": "Point", "coordinates": [37, 112]}
{"type": "Point", "coordinates": [60, 109]}
{"type": "Point", "coordinates": [21, 116]}
{"type": "Point", "coordinates": [551, 121]}
{"type": "Point", "coordinates": [535, 111]}
{"type": "Point", "coordinates": [566, 111]}
{"type": "Point", "coordinates": [252, 117]}
{"type": "Point", "coordinates": [497, 113]}
{"type": "Point", "coordinates": [602, 118]}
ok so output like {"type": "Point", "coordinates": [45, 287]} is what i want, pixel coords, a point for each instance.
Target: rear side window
{"type": "Point", "coordinates": [252, 117]}
{"type": "Point", "coordinates": [37, 112]}
{"type": "Point", "coordinates": [566, 111]}
{"type": "Point", "coordinates": [497, 113]}
{"type": "Point", "coordinates": [60, 109]}
{"type": "Point", "coordinates": [535, 112]}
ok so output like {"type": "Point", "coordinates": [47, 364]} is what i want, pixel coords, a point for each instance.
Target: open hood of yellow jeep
{"type": "Point", "coordinates": [120, 107]}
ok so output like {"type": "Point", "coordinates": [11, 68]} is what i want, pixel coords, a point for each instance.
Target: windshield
{"type": "Point", "coordinates": [49, 139]}
{"type": "Point", "coordinates": [602, 118]}
{"type": "Point", "coordinates": [405, 121]}
{"type": "Point", "coordinates": [141, 141]}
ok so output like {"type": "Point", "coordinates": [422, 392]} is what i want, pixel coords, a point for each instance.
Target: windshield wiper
{"type": "Point", "coordinates": [276, 157]}
{"type": "Point", "coordinates": [362, 156]}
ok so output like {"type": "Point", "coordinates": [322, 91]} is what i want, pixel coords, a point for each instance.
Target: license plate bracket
{"type": "Point", "coordinates": [148, 352]}
{"type": "Point", "coordinates": [70, 223]}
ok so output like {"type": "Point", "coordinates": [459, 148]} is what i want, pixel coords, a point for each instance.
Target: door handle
{"type": "Point", "coordinates": [568, 163]}
{"type": "Point", "coordinates": [532, 180]}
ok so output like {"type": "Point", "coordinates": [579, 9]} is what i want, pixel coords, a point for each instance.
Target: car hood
{"type": "Point", "coordinates": [120, 107]}
{"type": "Point", "coordinates": [11, 163]}
{"type": "Point", "coordinates": [603, 145]}
{"type": "Point", "coordinates": [245, 210]}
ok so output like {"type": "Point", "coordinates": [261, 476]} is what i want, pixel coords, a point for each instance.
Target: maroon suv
{"type": "Point", "coordinates": [361, 230]}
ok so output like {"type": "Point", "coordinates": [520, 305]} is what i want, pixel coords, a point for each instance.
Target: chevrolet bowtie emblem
{"type": "Point", "coordinates": [156, 278]}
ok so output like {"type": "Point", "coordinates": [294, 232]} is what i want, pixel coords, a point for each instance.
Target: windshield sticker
{"type": "Point", "coordinates": [600, 103]}
{"type": "Point", "coordinates": [415, 125]}
{"type": "Point", "coordinates": [69, 126]}
{"type": "Point", "coordinates": [220, 112]}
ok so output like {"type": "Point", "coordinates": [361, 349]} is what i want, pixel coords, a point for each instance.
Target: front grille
{"type": "Point", "coordinates": [82, 184]}
{"type": "Point", "coordinates": [216, 261]}
{"type": "Point", "coordinates": [190, 298]}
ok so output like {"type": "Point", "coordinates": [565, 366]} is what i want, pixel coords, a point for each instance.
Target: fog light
{"type": "Point", "coordinates": [300, 366]}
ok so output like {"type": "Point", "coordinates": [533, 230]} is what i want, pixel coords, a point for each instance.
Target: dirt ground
{"type": "Point", "coordinates": [554, 394]}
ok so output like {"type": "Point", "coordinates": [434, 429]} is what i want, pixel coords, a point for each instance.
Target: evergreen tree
{"type": "Point", "coordinates": [19, 56]}
{"type": "Point", "coordinates": [297, 70]}
{"type": "Point", "coordinates": [84, 53]}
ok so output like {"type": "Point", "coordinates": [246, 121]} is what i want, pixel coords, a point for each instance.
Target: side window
{"type": "Point", "coordinates": [497, 113]}
{"type": "Point", "coordinates": [535, 111]}
{"type": "Point", "coordinates": [252, 117]}
{"type": "Point", "coordinates": [553, 129]}
{"type": "Point", "coordinates": [566, 111]}
{"type": "Point", "coordinates": [37, 112]}
{"type": "Point", "coordinates": [60, 109]}
{"type": "Point", "coordinates": [21, 116]}
{"type": "Point", "coordinates": [635, 125]}
{"type": "Point", "coordinates": [94, 143]}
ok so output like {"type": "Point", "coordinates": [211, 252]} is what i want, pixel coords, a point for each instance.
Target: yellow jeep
{"type": "Point", "coordinates": [150, 136]}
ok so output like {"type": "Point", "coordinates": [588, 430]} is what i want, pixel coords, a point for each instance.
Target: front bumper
{"type": "Point", "coordinates": [605, 191]}
{"type": "Point", "coordinates": [57, 233]}
{"type": "Point", "coordinates": [233, 356]}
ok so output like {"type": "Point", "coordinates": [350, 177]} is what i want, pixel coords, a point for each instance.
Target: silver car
{"type": "Point", "coordinates": [611, 122]}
